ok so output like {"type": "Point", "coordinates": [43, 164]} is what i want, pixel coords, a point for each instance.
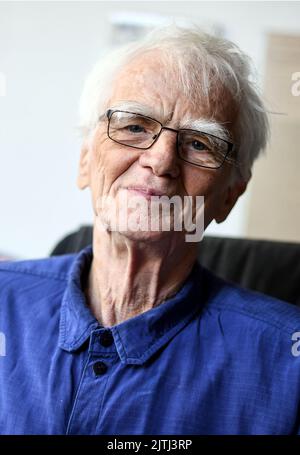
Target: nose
{"type": "Point", "coordinates": [162, 157]}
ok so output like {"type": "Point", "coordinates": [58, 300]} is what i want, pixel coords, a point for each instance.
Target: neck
{"type": "Point", "coordinates": [130, 276]}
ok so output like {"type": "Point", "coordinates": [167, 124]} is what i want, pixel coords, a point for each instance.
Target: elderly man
{"type": "Point", "coordinates": [132, 336]}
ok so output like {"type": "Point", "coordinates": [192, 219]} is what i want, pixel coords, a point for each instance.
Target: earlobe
{"type": "Point", "coordinates": [83, 171]}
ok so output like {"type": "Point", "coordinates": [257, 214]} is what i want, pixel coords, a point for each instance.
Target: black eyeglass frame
{"type": "Point", "coordinates": [231, 147]}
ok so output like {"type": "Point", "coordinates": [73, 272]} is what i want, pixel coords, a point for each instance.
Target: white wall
{"type": "Point", "coordinates": [46, 49]}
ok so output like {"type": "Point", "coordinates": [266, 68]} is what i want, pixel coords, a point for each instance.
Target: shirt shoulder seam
{"type": "Point", "coordinates": [285, 328]}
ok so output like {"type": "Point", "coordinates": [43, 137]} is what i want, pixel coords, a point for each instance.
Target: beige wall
{"type": "Point", "coordinates": [274, 205]}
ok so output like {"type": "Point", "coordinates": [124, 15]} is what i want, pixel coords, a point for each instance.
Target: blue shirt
{"type": "Point", "coordinates": [214, 359]}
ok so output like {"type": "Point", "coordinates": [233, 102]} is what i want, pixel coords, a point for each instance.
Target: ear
{"type": "Point", "coordinates": [83, 178]}
{"type": "Point", "coordinates": [233, 192]}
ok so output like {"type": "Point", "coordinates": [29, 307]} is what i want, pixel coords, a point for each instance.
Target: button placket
{"type": "Point", "coordinates": [102, 360]}
{"type": "Point", "coordinates": [102, 346]}
{"type": "Point", "coordinates": [102, 343]}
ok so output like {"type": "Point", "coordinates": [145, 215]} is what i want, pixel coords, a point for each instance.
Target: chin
{"type": "Point", "coordinates": [145, 236]}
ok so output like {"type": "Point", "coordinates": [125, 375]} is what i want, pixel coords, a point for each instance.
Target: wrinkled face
{"type": "Point", "coordinates": [120, 172]}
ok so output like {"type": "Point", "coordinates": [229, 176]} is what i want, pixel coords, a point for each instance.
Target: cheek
{"type": "Point", "coordinates": [108, 164]}
{"type": "Point", "coordinates": [214, 200]}
{"type": "Point", "coordinates": [210, 184]}
{"type": "Point", "coordinates": [198, 182]}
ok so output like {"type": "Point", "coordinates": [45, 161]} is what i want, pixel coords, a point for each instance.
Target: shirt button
{"type": "Point", "coordinates": [99, 368]}
{"type": "Point", "coordinates": [106, 338]}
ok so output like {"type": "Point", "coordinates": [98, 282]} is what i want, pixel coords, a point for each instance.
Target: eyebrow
{"type": "Point", "coordinates": [208, 126]}
{"type": "Point", "coordinates": [204, 125]}
{"type": "Point", "coordinates": [138, 108]}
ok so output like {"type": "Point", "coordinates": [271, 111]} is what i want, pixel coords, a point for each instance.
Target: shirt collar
{"type": "Point", "coordinates": [137, 338]}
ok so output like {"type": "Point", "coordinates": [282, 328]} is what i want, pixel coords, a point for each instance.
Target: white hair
{"type": "Point", "coordinates": [204, 64]}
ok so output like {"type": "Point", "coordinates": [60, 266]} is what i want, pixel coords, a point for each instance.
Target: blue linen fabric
{"type": "Point", "coordinates": [213, 359]}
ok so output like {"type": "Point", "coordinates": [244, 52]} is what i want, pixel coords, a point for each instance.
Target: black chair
{"type": "Point", "coordinates": [272, 268]}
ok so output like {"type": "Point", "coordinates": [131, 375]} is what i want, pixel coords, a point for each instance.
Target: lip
{"type": "Point", "coordinates": [146, 191]}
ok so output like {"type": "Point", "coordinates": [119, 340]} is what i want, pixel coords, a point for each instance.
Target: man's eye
{"type": "Point", "coordinates": [197, 145]}
{"type": "Point", "coordinates": [135, 129]}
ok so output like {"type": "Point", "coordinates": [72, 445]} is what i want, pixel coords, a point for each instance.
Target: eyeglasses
{"type": "Point", "coordinates": [141, 132]}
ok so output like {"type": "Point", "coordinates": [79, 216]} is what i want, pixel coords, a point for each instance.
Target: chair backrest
{"type": "Point", "coordinates": [272, 268]}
